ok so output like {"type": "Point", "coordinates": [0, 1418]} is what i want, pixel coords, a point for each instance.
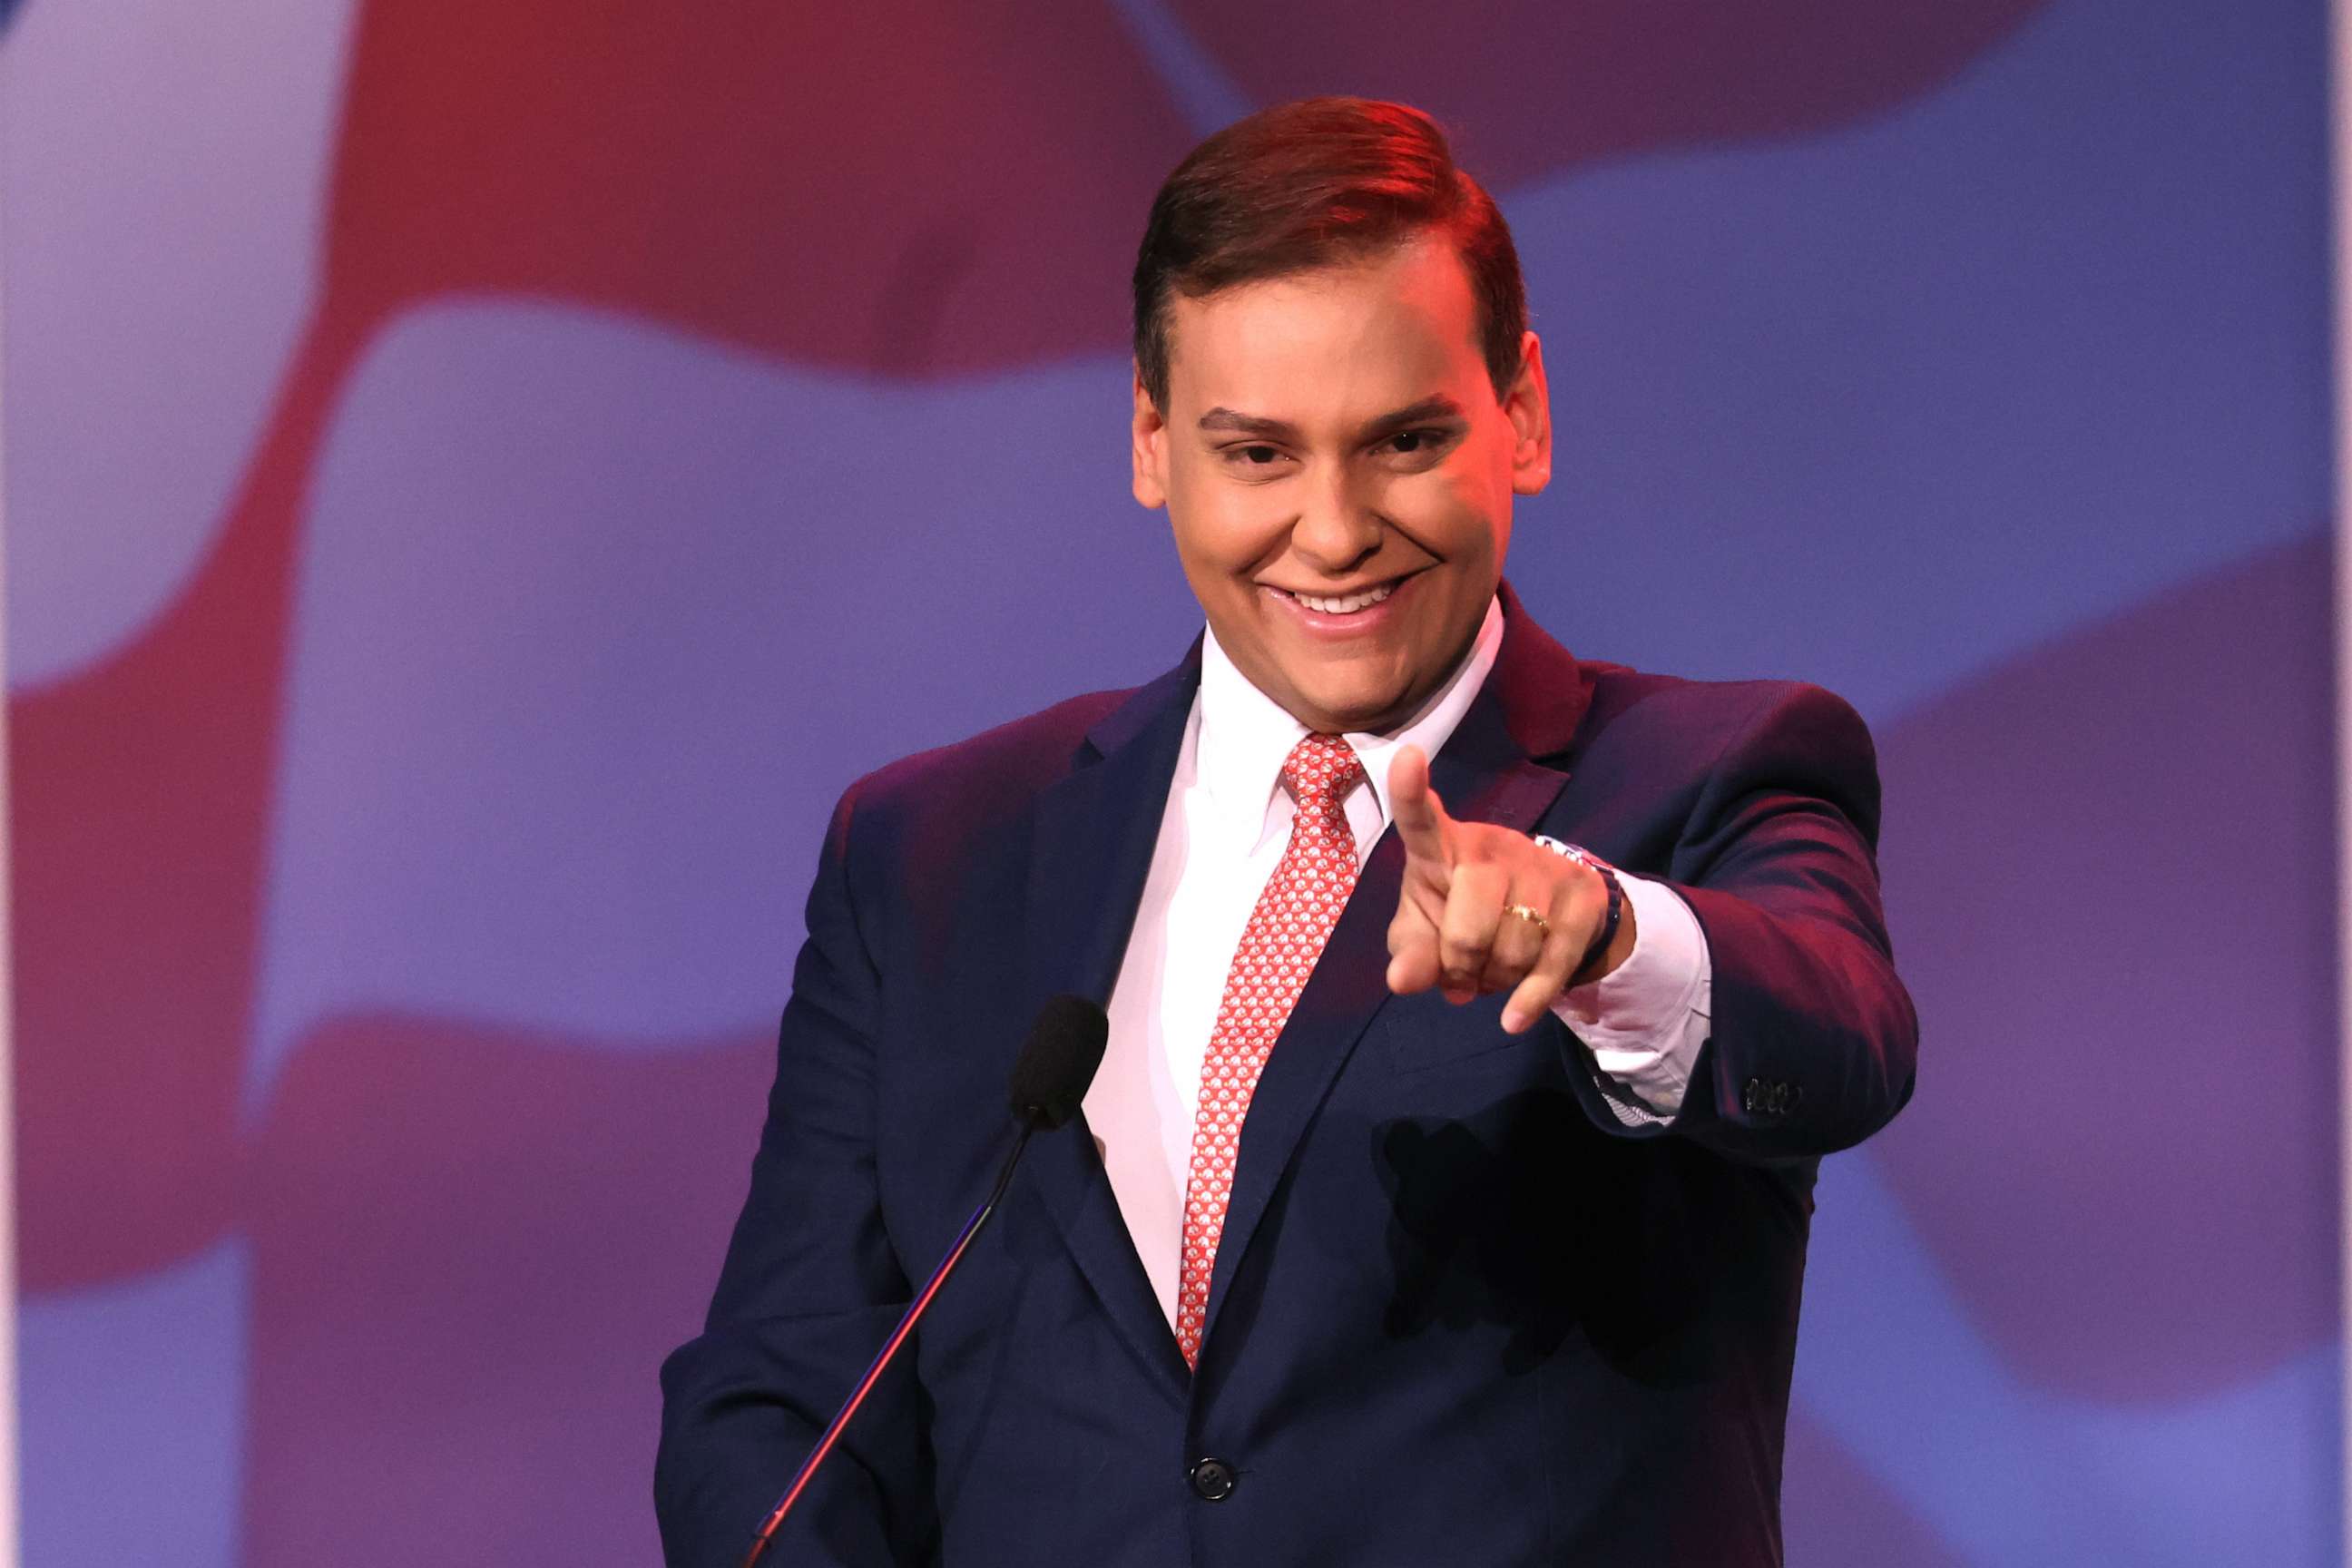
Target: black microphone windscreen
{"type": "Point", "coordinates": [1066, 1046]}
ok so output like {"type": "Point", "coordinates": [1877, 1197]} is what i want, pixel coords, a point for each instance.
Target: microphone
{"type": "Point", "coordinates": [1059, 1064]}
{"type": "Point", "coordinates": [1049, 1082]}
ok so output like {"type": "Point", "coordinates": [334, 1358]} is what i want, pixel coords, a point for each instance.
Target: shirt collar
{"type": "Point", "coordinates": [1245, 734]}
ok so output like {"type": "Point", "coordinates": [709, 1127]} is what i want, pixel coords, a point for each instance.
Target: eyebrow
{"type": "Point", "coordinates": [1227, 421]}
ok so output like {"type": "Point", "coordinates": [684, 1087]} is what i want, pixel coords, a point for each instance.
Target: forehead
{"type": "Point", "coordinates": [1392, 327]}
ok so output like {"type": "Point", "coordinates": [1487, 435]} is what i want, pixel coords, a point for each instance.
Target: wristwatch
{"type": "Point", "coordinates": [1616, 900]}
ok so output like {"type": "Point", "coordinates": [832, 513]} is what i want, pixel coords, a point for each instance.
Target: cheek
{"type": "Point", "coordinates": [1223, 527]}
{"type": "Point", "coordinates": [1454, 512]}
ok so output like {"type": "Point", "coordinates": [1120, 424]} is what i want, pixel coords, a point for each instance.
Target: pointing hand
{"type": "Point", "coordinates": [1485, 909]}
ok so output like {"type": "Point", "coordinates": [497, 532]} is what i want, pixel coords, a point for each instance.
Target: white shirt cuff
{"type": "Point", "coordinates": [1643, 1023]}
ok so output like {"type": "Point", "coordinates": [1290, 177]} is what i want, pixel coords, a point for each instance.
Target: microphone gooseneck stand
{"type": "Point", "coordinates": [1029, 1124]}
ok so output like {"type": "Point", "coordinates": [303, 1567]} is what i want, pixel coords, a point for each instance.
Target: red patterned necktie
{"type": "Point", "coordinates": [1285, 934]}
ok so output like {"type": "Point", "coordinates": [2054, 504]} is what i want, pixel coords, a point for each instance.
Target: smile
{"type": "Point", "coordinates": [1347, 605]}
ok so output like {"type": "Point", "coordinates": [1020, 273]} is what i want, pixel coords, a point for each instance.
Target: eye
{"type": "Point", "coordinates": [1417, 443]}
{"type": "Point", "coordinates": [1255, 454]}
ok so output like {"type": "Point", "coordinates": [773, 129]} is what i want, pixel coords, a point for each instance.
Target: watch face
{"type": "Point", "coordinates": [1571, 850]}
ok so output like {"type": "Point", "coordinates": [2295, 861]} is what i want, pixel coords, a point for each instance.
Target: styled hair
{"type": "Point", "coordinates": [1317, 183]}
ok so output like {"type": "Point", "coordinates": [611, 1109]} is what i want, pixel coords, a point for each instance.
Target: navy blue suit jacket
{"type": "Point", "coordinates": [1460, 1314]}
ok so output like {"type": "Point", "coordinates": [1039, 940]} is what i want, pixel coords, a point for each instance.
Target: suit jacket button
{"type": "Point", "coordinates": [1213, 1480]}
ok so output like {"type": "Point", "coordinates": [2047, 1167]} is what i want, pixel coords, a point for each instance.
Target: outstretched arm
{"type": "Point", "coordinates": [1807, 1040]}
{"type": "Point", "coordinates": [1814, 1038]}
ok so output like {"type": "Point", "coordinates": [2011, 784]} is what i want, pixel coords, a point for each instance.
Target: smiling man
{"type": "Point", "coordinates": [1478, 1014]}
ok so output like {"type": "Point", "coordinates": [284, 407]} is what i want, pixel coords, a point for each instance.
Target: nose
{"type": "Point", "coordinates": [1335, 530]}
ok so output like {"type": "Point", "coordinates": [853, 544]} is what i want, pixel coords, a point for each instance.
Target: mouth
{"type": "Point", "coordinates": [1354, 602]}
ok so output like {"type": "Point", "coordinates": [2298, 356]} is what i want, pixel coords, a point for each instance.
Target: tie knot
{"type": "Point", "coordinates": [1320, 771]}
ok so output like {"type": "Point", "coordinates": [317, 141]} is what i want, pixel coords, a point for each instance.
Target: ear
{"type": "Point", "coordinates": [1528, 406]}
{"type": "Point", "coordinates": [1150, 440]}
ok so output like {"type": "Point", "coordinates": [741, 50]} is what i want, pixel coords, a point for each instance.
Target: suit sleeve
{"type": "Point", "coordinates": [808, 1290]}
{"type": "Point", "coordinates": [1812, 1039]}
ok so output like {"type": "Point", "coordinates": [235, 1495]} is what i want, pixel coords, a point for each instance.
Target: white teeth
{"type": "Point", "coordinates": [1349, 606]}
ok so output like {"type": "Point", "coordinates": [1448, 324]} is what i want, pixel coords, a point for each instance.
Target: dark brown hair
{"type": "Point", "coordinates": [1312, 184]}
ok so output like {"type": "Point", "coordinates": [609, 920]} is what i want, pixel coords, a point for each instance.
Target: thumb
{"type": "Point", "coordinates": [1421, 819]}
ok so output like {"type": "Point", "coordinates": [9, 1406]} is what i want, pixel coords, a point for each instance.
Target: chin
{"type": "Point", "coordinates": [1360, 713]}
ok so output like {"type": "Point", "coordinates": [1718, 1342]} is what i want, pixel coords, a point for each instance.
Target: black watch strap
{"type": "Point", "coordinates": [1608, 932]}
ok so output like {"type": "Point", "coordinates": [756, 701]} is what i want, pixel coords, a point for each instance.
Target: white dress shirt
{"type": "Point", "coordinates": [1226, 825]}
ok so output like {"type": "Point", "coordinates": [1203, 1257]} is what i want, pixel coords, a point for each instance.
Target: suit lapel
{"type": "Point", "coordinates": [1091, 844]}
{"type": "Point", "coordinates": [1487, 772]}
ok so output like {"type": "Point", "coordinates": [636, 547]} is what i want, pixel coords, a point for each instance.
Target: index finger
{"type": "Point", "coordinates": [1420, 816]}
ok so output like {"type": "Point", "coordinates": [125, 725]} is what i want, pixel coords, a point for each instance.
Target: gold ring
{"type": "Point", "coordinates": [1533, 917]}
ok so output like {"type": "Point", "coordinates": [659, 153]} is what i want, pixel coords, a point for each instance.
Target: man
{"type": "Point", "coordinates": [1477, 1013]}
